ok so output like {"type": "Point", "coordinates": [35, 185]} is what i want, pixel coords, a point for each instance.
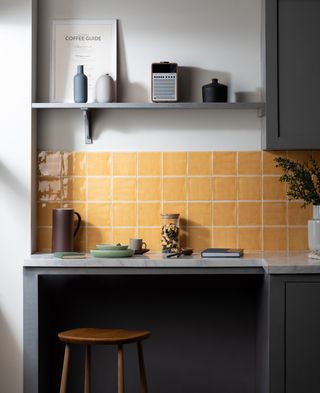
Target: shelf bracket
{"type": "Point", "coordinates": [87, 124]}
{"type": "Point", "coordinates": [262, 111]}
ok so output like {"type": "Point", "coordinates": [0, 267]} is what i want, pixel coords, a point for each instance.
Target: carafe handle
{"type": "Point", "coordinates": [78, 223]}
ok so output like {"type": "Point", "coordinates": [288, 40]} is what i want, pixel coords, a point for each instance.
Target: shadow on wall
{"type": "Point", "coordinates": [9, 178]}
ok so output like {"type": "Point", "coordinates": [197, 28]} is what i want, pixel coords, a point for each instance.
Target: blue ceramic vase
{"type": "Point", "coordinates": [80, 86]}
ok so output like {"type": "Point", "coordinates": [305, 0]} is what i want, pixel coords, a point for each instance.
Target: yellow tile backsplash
{"type": "Point", "coordinates": [225, 199]}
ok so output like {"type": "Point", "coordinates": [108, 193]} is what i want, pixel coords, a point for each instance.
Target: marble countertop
{"type": "Point", "coordinates": [271, 263]}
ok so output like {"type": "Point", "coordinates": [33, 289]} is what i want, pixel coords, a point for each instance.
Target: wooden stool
{"type": "Point", "coordinates": [90, 336]}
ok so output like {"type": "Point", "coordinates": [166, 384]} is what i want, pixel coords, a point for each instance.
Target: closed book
{"type": "Point", "coordinates": [222, 252]}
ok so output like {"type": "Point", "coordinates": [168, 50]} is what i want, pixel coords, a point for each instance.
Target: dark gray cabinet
{"type": "Point", "coordinates": [292, 77]}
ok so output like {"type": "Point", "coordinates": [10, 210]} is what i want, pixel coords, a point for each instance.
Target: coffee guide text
{"type": "Point", "coordinates": [82, 38]}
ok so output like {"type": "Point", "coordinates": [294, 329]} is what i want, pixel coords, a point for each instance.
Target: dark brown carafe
{"type": "Point", "coordinates": [215, 92]}
{"type": "Point", "coordinates": [63, 229]}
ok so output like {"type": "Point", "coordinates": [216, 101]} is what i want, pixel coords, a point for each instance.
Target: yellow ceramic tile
{"type": "Point", "coordinates": [99, 189]}
{"type": "Point", "coordinates": [274, 213]}
{"type": "Point", "coordinates": [124, 214]}
{"type": "Point", "coordinates": [179, 208]}
{"type": "Point", "coordinates": [275, 239]}
{"type": "Point", "coordinates": [44, 237]}
{"type": "Point", "coordinates": [49, 189]}
{"type": "Point", "coordinates": [44, 213]}
{"type": "Point", "coordinates": [249, 163]}
{"type": "Point", "coordinates": [74, 164]}
{"type": "Point", "coordinates": [225, 237]}
{"type": "Point", "coordinates": [298, 215]}
{"type": "Point", "coordinates": [224, 188]}
{"type": "Point", "coordinates": [98, 236]}
{"type": "Point", "coordinates": [249, 188]}
{"type": "Point", "coordinates": [224, 214]}
{"type": "Point", "coordinates": [273, 189]}
{"type": "Point", "coordinates": [99, 214]}
{"type": "Point", "coordinates": [149, 189]}
{"type": "Point", "coordinates": [124, 164]}
{"type": "Point", "coordinates": [199, 163]}
{"type": "Point", "coordinates": [199, 214]}
{"type": "Point", "coordinates": [225, 163]}
{"type": "Point", "coordinates": [199, 238]}
{"type": "Point", "coordinates": [174, 164]}
{"type": "Point", "coordinates": [199, 189]}
{"type": "Point", "coordinates": [49, 163]}
{"type": "Point", "coordinates": [99, 163]}
{"type": "Point", "coordinates": [74, 189]}
{"type": "Point", "coordinates": [80, 241]}
{"type": "Point", "coordinates": [123, 235]}
{"type": "Point", "coordinates": [298, 239]}
{"type": "Point", "coordinates": [269, 165]}
{"type": "Point", "coordinates": [249, 213]}
{"type": "Point", "coordinates": [174, 189]}
{"type": "Point", "coordinates": [250, 239]}
{"type": "Point", "coordinates": [80, 208]}
{"type": "Point", "coordinates": [151, 236]}
{"type": "Point", "coordinates": [149, 164]}
{"type": "Point", "coordinates": [124, 189]}
{"type": "Point", "coordinates": [301, 156]}
{"type": "Point", "coordinates": [149, 214]}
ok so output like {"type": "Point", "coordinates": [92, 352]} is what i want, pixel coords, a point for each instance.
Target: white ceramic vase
{"type": "Point", "coordinates": [105, 89]}
{"type": "Point", "coordinates": [314, 230]}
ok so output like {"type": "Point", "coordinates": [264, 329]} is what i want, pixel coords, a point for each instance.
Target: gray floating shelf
{"type": "Point", "coordinates": [86, 108]}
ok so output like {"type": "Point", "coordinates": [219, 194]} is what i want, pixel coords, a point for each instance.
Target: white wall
{"type": "Point", "coordinates": [15, 163]}
{"type": "Point", "coordinates": [214, 38]}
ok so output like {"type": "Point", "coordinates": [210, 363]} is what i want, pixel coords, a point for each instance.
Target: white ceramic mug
{"type": "Point", "coordinates": [137, 244]}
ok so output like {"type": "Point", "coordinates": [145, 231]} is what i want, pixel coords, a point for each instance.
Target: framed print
{"type": "Point", "coordinates": [91, 43]}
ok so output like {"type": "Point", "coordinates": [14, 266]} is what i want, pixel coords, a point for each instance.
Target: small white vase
{"type": "Point", "coordinates": [105, 89]}
{"type": "Point", "coordinates": [314, 230]}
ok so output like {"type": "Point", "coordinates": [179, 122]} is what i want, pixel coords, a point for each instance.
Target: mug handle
{"type": "Point", "coordinates": [143, 245]}
{"type": "Point", "coordinates": [78, 223]}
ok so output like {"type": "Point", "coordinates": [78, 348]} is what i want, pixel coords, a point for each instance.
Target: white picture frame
{"type": "Point", "coordinates": [88, 42]}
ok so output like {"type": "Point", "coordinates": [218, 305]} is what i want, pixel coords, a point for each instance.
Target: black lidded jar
{"type": "Point", "coordinates": [215, 92]}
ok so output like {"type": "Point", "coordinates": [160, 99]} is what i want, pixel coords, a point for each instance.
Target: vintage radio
{"type": "Point", "coordinates": [164, 82]}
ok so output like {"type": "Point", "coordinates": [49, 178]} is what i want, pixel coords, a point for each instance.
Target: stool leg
{"type": "Point", "coordinates": [64, 376]}
{"type": "Point", "coordinates": [143, 378]}
{"type": "Point", "coordinates": [120, 369]}
{"type": "Point", "coordinates": [87, 369]}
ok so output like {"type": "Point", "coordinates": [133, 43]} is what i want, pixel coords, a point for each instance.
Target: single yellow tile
{"type": "Point", "coordinates": [80, 208]}
{"type": "Point", "coordinates": [74, 164]}
{"type": "Point", "coordinates": [149, 189]}
{"type": "Point", "coordinates": [301, 156]}
{"type": "Point", "coordinates": [225, 237]}
{"type": "Point", "coordinates": [124, 164]}
{"type": "Point", "coordinates": [99, 189]}
{"type": "Point", "coordinates": [80, 240]}
{"type": "Point", "coordinates": [249, 188]}
{"type": "Point", "coordinates": [249, 163]}
{"type": "Point", "coordinates": [199, 238]}
{"type": "Point", "coordinates": [99, 163]}
{"type": "Point", "coordinates": [225, 163]}
{"type": "Point", "coordinates": [49, 163]}
{"type": "Point", "coordinates": [74, 189]}
{"type": "Point", "coordinates": [124, 214]}
{"type": "Point", "coordinates": [99, 214]}
{"type": "Point", "coordinates": [269, 165]}
{"type": "Point", "coordinates": [44, 239]}
{"type": "Point", "coordinates": [49, 189]}
{"type": "Point", "coordinates": [199, 163]}
{"type": "Point", "coordinates": [124, 189]}
{"type": "Point", "coordinates": [149, 214]}
{"type": "Point", "coordinates": [44, 213]}
{"type": "Point", "coordinates": [199, 214]}
{"type": "Point", "coordinates": [224, 188]}
{"type": "Point", "coordinates": [149, 164]}
{"type": "Point", "coordinates": [274, 213]}
{"type": "Point", "coordinates": [199, 189]}
{"type": "Point", "coordinates": [275, 239]}
{"type": "Point", "coordinates": [249, 213]}
{"type": "Point", "coordinates": [273, 189]}
{"type": "Point", "coordinates": [224, 214]}
{"type": "Point", "coordinates": [151, 236]}
{"type": "Point", "coordinates": [176, 208]}
{"type": "Point", "coordinates": [123, 235]}
{"type": "Point", "coordinates": [174, 189]}
{"type": "Point", "coordinates": [98, 236]}
{"type": "Point", "coordinates": [174, 164]}
{"type": "Point", "coordinates": [298, 215]}
{"type": "Point", "coordinates": [298, 239]}
{"type": "Point", "coordinates": [250, 239]}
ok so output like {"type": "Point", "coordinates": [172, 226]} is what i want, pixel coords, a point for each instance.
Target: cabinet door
{"type": "Point", "coordinates": [292, 36]}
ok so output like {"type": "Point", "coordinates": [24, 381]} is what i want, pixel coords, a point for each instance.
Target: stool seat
{"type": "Point", "coordinates": [102, 336]}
